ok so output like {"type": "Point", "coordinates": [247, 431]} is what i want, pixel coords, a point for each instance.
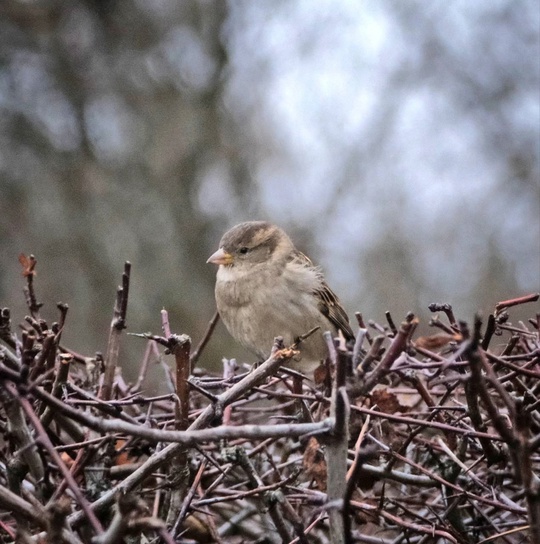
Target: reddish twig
{"type": "Point", "coordinates": [47, 444]}
{"type": "Point", "coordinates": [533, 297]}
{"type": "Point", "coordinates": [117, 325]}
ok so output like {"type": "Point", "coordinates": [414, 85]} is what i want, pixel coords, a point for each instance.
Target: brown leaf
{"type": "Point", "coordinates": [66, 458]}
{"type": "Point", "coordinates": [385, 400]}
{"type": "Point", "coordinates": [28, 264]}
{"type": "Point", "coordinates": [314, 463]}
{"type": "Point", "coordinates": [319, 374]}
{"type": "Point", "coordinates": [389, 400]}
{"type": "Point", "coordinates": [437, 341]}
{"type": "Point", "coordinates": [197, 530]}
{"type": "Point", "coordinates": [123, 457]}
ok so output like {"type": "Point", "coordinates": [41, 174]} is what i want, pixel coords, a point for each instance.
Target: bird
{"type": "Point", "coordinates": [266, 288]}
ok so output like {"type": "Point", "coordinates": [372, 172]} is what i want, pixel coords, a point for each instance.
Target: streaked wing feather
{"type": "Point", "coordinates": [329, 304]}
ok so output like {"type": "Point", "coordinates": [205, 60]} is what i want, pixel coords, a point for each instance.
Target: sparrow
{"type": "Point", "coordinates": [266, 288]}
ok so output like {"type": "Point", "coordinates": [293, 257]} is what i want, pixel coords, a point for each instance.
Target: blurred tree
{"type": "Point", "coordinates": [111, 114]}
{"type": "Point", "coordinates": [412, 132]}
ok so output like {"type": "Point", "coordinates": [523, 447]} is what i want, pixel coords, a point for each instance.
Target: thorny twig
{"type": "Point", "coordinates": [117, 325]}
{"type": "Point", "coordinates": [441, 424]}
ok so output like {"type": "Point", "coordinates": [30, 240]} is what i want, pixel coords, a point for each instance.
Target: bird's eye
{"type": "Point", "coordinates": [243, 250]}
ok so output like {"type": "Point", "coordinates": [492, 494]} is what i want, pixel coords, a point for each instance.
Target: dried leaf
{"type": "Point", "coordinates": [123, 457]}
{"type": "Point", "coordinates": [28, 264]}
{"type": "Point", "coordinates": [319, 374]}
{"type": "Point", "coordinates": [66, 458]}
{"type": "Point", "coordinates": [197, 530]}
{"type": "Point", "coordinates": [385, 400]}
{"type": "Point", "coordinates": [437, 341]}
{"type": "Point", "coordinates": [314, 463]}
{"type": "Point", "coordinates": [390, 401]}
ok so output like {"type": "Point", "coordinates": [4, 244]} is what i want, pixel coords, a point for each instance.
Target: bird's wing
{"type": "Point", "coordinates": [329, 304]}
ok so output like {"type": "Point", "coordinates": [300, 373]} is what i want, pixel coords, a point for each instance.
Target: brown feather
{"type": "Point", "coordinates": [329, 304]}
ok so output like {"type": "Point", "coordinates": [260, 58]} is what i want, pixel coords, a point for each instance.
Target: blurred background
{"type": "Point", "coordinates": [397, 142]}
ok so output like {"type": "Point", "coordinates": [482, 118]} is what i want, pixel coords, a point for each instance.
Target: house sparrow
{"type": "Point", "coordinates": [265, 288]}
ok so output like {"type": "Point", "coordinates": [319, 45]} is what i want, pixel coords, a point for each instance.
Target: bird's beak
{"type": "Point", "coordinates": [220, 257]}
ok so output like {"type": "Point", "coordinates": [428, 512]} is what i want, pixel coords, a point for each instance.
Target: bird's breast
{"type": "Point", "coordinates": [257, 308]}
{"type": "Point", "coordinates": [235, 289]}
